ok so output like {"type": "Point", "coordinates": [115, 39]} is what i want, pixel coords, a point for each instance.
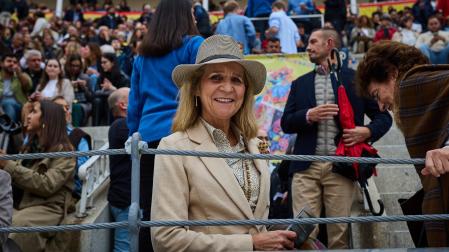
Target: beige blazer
{"type": "Point", "coordinates": [201, 188]}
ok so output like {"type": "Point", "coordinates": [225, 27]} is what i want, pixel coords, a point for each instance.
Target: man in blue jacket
{"type": "Point", "coordinates": [237, 26]}
{"type": "Point", "coordinates": [311, 112]}
{"type": "Point", "coordinates": [259, 9]}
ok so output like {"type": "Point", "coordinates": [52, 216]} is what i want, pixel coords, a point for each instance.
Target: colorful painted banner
{"type": "Point", "coordinates": [270, 103]}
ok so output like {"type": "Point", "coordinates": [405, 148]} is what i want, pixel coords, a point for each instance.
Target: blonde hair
{"type": "Point", "coordinates": [188, 113]}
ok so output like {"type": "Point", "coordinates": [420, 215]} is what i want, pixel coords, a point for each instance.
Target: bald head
{"type": "Point", "coordinates": [118, 102]}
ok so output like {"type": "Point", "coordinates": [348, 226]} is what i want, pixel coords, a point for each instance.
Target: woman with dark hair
{"type": "Point", "coordinates": [405, 34]}
{"type": "Point", "coordinates": [111, 78]}
{"type": "Point", "coordinates": [400, 78]}
{"type": "Point", "coordinates": [53, 84]}
{"type": "Point", "coordinates": [362, 35]}
{"type": "Point", "coordinates": [82, 104]}
{"type": "Point", "coordinates": [91, 54]}
{"type": "Point", "coordinates": [47, 183]}
{"type": "Point", "coordinates": [152, 100]}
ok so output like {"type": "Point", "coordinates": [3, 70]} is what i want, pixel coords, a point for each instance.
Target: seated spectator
{"type": "Point", "coordinates": [147, 13]}
{"type": "Point", "coordinates": [41, 23]}
{"type": "Point", "coordinates": [119, 194]}
{"type": "Point", "coordinates": [82, 103]}
{"type": "Point", "coordinates": [111, 78]}
{"type": "Point", "coordinates": [257, 48]}
{"type": "Point", "coordinates": [435, 42]}
{"type": "Point", "coordinates": [283, 27]}
{"type": "Point", "coordinates": [202, 19]}
{"type": "Point", "coordinates": [215, 114]}
{"type": "Point", "coordinates": [91, 54]}
{"type": "Point", "coordinates": [6, 37]}
{"type": "Point", "coordinates": [139, 31]}
{"type": "Point", "coordinates": [395, 19]}
{"type": "Point", "coordinates": [128, 61]}
{"type": "Point", "coordinates": [54, 84]}
{"type": "Point", "coordinates": [50, 49]}
{"type": "Point", "coordinates": [75, 13]}
{"type": "Point", "coordinates": [80, 140]}
{"type": "Point", "coordinates": [273, 46]}
{"type": "Point", "coordinates": [110, 19]}
{"type": "Point", "coordinates": [362, 35]}
{"type": "Point", "coordinates": [18, 45]}
{"type": "Point", "coordinates": [304, 37]}
{"type": "Point", "coordinates": [422, 10]}
{"type": "Point", "coordinates": [300, 7]}
{"type": "Point", "coordinates": [47, 183]}
{"type": "Point", "coordinates": [405, 34]}
{"type": "Point", "coordinates": [104, 35]}
{"type": "Point", "coordinates": [14, 86]}
{"type": "Point", "coordinates": [72, 47]}
{"type": "Point", "coordinates": [123, 6]}
{"type": "Point", "coordinates": [34, 67]}
{"type": "Point", "coordinates": [386, 30]}
{"type": "Point", "coordinates": [375, 18]}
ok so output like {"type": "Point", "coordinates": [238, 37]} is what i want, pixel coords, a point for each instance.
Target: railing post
{"type": "Point", "coordinates": [134, 216]}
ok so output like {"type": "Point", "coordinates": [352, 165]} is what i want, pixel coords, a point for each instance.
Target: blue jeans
{"type": "Point", "coordinates": [121, 239]}
{"type": "Point", "coordinates": [435, 57]}
{"type": "Point", "coordinates": [11, 107]}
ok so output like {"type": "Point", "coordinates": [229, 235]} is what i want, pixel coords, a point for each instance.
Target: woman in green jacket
{"type": "Point", "coordinates": [47, 183]}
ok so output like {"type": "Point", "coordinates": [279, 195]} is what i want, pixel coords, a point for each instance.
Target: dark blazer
{"type": "Point", "coordinates": [302, 98]}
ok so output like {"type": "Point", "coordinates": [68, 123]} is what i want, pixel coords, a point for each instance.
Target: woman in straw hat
{"type": "Point", "coordinates": [215, 113]}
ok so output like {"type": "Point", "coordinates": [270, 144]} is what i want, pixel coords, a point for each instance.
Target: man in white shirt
{"type": "Point", "coordinates": [283, 27]}
{"type": "Point", "coordinates": [435, 42]}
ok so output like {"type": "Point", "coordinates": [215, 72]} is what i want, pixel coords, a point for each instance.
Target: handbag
{"type": "Point", "coordinates": [413, 206]}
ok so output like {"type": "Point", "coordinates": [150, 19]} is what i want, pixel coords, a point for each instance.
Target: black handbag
{"type": "Point", "coordinates": [413, 206]}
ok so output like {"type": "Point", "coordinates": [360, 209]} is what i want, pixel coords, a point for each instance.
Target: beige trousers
{"type": "Point", "coordinates": [318, 186]}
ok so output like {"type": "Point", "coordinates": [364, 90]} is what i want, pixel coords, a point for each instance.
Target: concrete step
{"type": "Point", "coordinates": [400, 239]}
{"type": "Point", "coordinates": [392, 151]}
{"type": "Point", "coordinates": [393, 137]}
{"type": "Point", "coordinates": [398, 178]}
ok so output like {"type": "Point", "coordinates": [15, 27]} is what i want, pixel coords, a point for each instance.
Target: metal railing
{"type": "Point", "coordinates": [94, 173]}
{"type": "Point", "coordinates": [134, 222]}
{"type": "Point", "coordinates": [320, 16]}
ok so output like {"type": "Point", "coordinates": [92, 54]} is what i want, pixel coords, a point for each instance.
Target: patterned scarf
{"type": "Point", "coordinates": [423, 110]}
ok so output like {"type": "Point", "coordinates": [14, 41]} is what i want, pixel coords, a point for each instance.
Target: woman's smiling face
{"type": "Point", "coordinates": [221, 91]}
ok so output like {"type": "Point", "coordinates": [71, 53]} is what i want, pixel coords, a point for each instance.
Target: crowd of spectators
{"type": "Point", "coordinates": [80, 61]}
{"type": "Point", "coordinates": [81, 45]}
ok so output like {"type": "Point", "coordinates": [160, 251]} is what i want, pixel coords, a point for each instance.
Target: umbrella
{"type": "Point", "coordinates": [355, 171]}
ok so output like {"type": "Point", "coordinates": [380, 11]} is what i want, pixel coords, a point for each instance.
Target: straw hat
{"type": "Point", "coordinates": [220, 49]}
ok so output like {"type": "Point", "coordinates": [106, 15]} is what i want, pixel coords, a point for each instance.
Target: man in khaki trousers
{"type": "Point", "coordinates": [311, 112]}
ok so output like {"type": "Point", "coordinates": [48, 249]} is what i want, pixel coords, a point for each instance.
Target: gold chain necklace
{"type": "Point", "coordinates": [247, 179]}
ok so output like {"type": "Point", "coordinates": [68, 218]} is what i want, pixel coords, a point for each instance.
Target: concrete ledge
{"type": "Point", "coordinates": [98, 240]}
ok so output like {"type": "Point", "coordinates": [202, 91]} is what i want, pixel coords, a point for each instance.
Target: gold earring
{"type": "Point", "coordinates": [196, 101]}
{"type": "Point", "coordinates": [43, 126]}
